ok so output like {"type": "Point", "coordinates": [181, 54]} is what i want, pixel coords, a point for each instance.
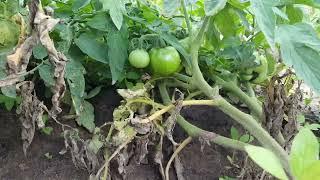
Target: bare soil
{"type": "Point", "coordinates": [209, 164]}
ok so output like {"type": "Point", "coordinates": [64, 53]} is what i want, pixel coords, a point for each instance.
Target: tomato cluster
{"type": "Point", "coordinates": [163, 61]}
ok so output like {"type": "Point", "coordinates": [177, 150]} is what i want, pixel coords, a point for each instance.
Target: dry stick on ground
{"type": "Point", "coordinates": [106, 164]}
{"type": "Point", "coordinates": [176, 152]}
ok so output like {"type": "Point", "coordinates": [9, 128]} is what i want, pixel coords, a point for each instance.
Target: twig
{"type": "Point", "coordinates": [106, 164]}
{"type": "Point", "coordinates": [157, 114]}
{"type": "Point", "coordinates": [176, 152]}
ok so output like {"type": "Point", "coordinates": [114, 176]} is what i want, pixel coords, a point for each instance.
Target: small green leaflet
{"type": "Point", "coordinates": [212, 7]}
{"type": "Point", "coordinates": [86, 117]}
{"type": "Point", "coordinates": [117, 51]}
{"type": "Point", "coordinates": [92, 47]}
{"type": "Point", "coordinates": [78, 4]}
{"type": "Point", "coordinates": [267, 160]}
{"type": "Point", "coordinates": [304, 151]}
{"type": "Point", "coordinates": [116, 10]}
{"type": "Point", "coordinates": [75, 77]}
{"type": "Point", "coordinates": [46, 72]}
{"type": "Point", "coordinates": [300, 48]}
{"type": "Point", "coordinates": [39, 51]}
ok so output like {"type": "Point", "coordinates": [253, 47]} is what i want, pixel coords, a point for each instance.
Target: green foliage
{"type": "Point", "coordinates": [212, 7]}
{"type": "Point", "coordinates": [304, 151]}
{"type": "Point", "coordinates": [266, 160]}
{"type": "Point", "coordinates": [90, 45]}
{"type": "Point", "coordinates": [300, 48]}
{"type": "Point", "coordinates": [9, 35]}
{"type": "Point", "coordinates": [304, 157]}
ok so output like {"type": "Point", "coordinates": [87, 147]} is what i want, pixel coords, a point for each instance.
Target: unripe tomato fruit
{"type": "Point", "coordinates": [139, 58]}
{"type": "Point", "coordinates": [165, 61]}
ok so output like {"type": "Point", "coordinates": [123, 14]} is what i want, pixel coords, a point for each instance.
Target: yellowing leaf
{"type": "Point", "coordinates": [267, 160]}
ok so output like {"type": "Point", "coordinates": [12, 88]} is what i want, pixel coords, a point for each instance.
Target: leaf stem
{"type": "Point", "coordinates": [186, 16]}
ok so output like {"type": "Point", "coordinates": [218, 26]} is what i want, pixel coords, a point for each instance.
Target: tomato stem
{"type": "Point", "coordinates": [186, 16]}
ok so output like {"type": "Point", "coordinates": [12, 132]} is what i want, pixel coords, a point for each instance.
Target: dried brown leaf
{"type": "Point", "coordinates": [30, 111]}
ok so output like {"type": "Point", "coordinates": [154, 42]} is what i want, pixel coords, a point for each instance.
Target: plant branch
{"type": "Point", "coordinates": [175, 154]}
{"type": "Point", "coordinates": [186, 16]}
{"type": "Point", "coordinates": [196, 132]}
{"type": "Point", "coordinates": [166, 109]}
{"type": "Point", "coordinates": [251, 102]}
{"type": "Point", "coordinates": [196, 72]}
{"type": "Point", "coordinates": [249, 123]}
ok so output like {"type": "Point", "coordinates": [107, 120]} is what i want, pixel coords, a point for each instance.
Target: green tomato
{"type": "Point", "coordinates": [139, 58]}
{"type": "Point", "coordinates": [9, 35]}
{"type": "Point", "coordinates": [165, 61]}
{"type": "Point", "coordinates": [262, 71]}
{"type": "Point", "coordinates": [246, 77]}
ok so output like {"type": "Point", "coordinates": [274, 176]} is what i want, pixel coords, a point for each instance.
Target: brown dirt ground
{"type": "Point", "coordinates": [209, 164]}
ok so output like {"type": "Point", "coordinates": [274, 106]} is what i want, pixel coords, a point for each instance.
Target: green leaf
{"type": "Point", "coordinates": [234, 133]}
{"type": "Point", "coordinates": [171, 7]}
{"type": "Point", "coordinates": [92, 47]}
{"type": "Point", "coordinates": [39, 51]}
{"type": "Point", "coordinates": [66, 34]}
{"type": "Point", "coordinates": [239, 3]}
{"type": "Point", "coordinates": [304, 151]}
{"type": "Point", "coordinates": [212, 7]}
{"type": "Point", "coordinates": [227, 28]}
{"type": "Point", "coordinates": [313, 127]}
{"type": "Point", "coordinates": [116, 16]}
{"type": "Point", "coordinates": [280, 13]}
{"type": "Point", "coordinates": [8, 102]}
{"type": "Point", "coordinates": [295, 14]}
{"type": "Point", "coordinates": [78, 4]}
{"type": "Point", "coordinates": [311, 172]}
{"type": "Point", "coordinates": [95, 144]}
{"type": "Point", "coordinates": [300, 49]}
{"type": "Point", "coordinates": [116, 10]}
{"type": "Point", "coordinates": [265, 17]}
{"type": "Point", "coordinates": [117, 52]}
{"type": "Point", "coordinates": [46, 72]}
{"type": "Point", "coordinates": [313, 3]}
{"type": "Point", "coordinates": [47, 130]}
{"type": "Point", "coordinates": [100, 22]}
{"type": "Point", "coordinates": [9, 91]}
{"type": "Point", "coordinates": [86, 117]}
{"type": "Point", "coordinates": [267, 160]}
{"type": "Point", "coordinates": [74, 75]}
{"type": "Point", "coordinates": [247, 138]}
{"type": "Point", "coordinates": [94, 92]}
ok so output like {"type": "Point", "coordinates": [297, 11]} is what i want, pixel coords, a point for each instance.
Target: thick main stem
{"type": "Point", "coordinates": [247, 121]}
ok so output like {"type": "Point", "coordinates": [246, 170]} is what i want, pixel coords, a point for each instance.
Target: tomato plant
{"type": "Point", "coordinates": [161, 56]}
